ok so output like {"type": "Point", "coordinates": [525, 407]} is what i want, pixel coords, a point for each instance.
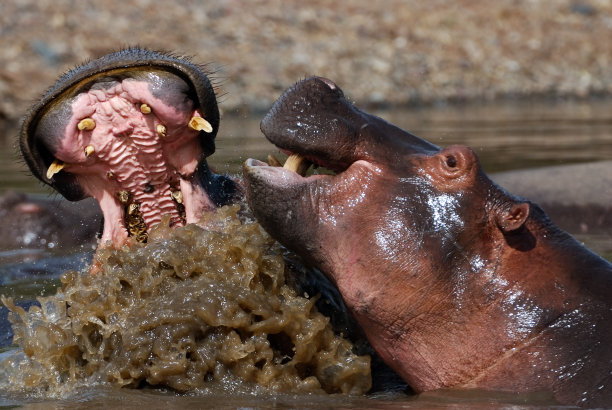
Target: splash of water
{"type": "Point", "coordinates": [199, 308]}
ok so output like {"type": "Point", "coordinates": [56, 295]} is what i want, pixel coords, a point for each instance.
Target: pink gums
{"type": "Point", "coordinates": [131, 155]}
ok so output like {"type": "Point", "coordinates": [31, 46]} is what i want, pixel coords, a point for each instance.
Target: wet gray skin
{"type": "Point", "coordinates": [131, 129]}
{"type": "Point", "coordinates": [455, 282]}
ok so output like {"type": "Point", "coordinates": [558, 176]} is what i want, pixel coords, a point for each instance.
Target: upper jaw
{"type": "Point", "coordinates": [39, 155]}
{"type": "Point", "coordinates": [138, 149]}
{"type": "Point", "coordinates": [314, 120]}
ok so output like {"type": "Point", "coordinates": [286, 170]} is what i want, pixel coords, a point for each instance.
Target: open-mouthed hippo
{"type": "Point", "coordinates": [455, 282]}
{"type": "Point", "coordinates": [131, 129]}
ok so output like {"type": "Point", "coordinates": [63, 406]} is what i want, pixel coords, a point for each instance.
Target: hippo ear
{"type": "Point", "coordinates": [513, 217]}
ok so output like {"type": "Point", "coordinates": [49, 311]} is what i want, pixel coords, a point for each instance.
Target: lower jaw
{"type": "Point", "coordinates": [132, 216]}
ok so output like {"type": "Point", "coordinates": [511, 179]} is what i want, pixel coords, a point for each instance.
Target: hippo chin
{"type": "Point", "coordinates": [455, 282]}
{"type": "Point", "coordinates": [131, 129]}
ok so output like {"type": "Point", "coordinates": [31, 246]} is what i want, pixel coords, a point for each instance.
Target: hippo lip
{"type": "Point", "coordinates": [289, 172]}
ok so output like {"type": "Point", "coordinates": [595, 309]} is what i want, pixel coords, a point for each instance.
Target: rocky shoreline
{"type": "Point", "coordinates": [388, 52]}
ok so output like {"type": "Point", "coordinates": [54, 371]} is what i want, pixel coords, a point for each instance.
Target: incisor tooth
{"type": "Point", "coordinates": [200, 124]}
{"type": "Point", "coordinates": [161, 130]}
{"type": "Point", "coordinates": [55, 167]}
{"type": "Point", "coordinates": [89, 150]}
{"type": "Point", "coordinates": [87, 124]}
{"type": "Point", "coordinates": [297, 163]}
{"type": "Point", "coordinates": [145, 109]}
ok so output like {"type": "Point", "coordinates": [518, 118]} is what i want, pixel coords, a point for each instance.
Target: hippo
{"type": "Point", "coordinates": [34, 222]}
{"type": "Point", "coordinates": [455, 282]}
{"type": "Point", "coordinates": [131, 129]}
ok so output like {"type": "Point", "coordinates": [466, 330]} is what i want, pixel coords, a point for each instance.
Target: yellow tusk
{"type": "Point", "coordinates": [55, 167]}
{"type": "Point", "coordinates": [133, 208]}
{"type": "Point", "coordinates": [145, 109]}
{"type": "Point", "coordinates": [200, 124]}
{"type": "Point", "coordinates": [272, 160]}
{"type": "Point", "coordinates": [123, 197]}
{"type": "Point", "coordinates": [89, 150]}
{"type": "Point", "coordinates": [177, 196]}
{"type": "Point", "coordinates": [87, 124]}
{"type": "Point", "coordinates": [297, 163]}
{"type": "Point", "coordinates": [161, 130]}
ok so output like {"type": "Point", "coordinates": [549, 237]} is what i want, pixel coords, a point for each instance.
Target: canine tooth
{"type": "Point", "coordinates": [177, 196]}
{"type": "Point", "coordinates": [123, 196]}
{"type": "Point", "coordinates": [89, 150]}
{"type": "Point", "coordinates": [87, 124]}
{"type": "Point", "coordinates": [161, 130]}
{"type": "Point", "coordinates": [272, 160]}
{"type": "Point", "coordinates": [110, 175]}
{"type": "Point", "coordinates": [297, 163]}
{"type": "Point", "coordinates": [55, 167]}
{"type": "Point", "coordinates": [145, 109]}
{"type": "Point", "coordinates": [200, 124]}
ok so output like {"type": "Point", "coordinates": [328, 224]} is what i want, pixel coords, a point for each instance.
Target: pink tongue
{"type": "Point", "coordinates": [141, 159]}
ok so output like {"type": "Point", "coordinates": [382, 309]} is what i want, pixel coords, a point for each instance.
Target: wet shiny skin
{"type": "Point", "coordinates": [455, 282]}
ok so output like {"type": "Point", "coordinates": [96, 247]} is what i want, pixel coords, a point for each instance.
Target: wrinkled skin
{"type": "Point", "coordinates": [118, 127]}
{"type": "Point", "coordinates": [455, 282]}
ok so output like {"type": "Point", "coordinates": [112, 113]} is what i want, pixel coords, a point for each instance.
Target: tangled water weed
{"type": "Point", "coordinates": [201, 308]}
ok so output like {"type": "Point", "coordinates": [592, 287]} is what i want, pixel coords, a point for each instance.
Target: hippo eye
{"type": "Point", "coordinates": [451, 161]}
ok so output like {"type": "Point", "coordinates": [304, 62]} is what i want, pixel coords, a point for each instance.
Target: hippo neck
{"type": "Point", "coordinates": [497, 320]}
{"type": "Point", "coordinates": [556, 256]}
{"type": "Point", "coordinates": [576, 284]}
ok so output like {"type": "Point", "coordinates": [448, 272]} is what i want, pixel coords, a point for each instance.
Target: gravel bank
{"type": "Point", "coordinates": [389, 51]}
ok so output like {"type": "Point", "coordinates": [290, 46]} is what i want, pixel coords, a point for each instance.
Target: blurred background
{"type": "Point", "coordinates": [386, 52]}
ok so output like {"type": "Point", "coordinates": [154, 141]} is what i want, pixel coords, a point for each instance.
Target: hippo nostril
{"type": "Point", "coordinates": [451, 161]}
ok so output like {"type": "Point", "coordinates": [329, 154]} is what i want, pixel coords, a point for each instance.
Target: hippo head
{"type": "Point", "coordinates": [394, 197]}
{"type": "Point", "coordinates": [131, 129]}
{"type": "Point", "coordinates": [451, 278]}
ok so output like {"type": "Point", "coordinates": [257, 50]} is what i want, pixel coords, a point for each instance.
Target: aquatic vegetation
{"type": "Point", "coordinates": [198, 308]}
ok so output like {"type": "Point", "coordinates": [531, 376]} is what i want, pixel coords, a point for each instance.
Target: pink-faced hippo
{"type": "Point", "coordinates": [131, 129]}
{"type": "Point", "coordinates": [456, 282]}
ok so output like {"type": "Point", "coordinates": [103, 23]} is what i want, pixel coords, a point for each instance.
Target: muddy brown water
{"type": "Point", "coordinates": [506, 136]}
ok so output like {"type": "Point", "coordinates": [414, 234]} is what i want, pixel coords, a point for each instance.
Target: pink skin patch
{"type": "Point", "coordinates": [28, 208]}
{"type": "Point", "coordinates": [149, 155]}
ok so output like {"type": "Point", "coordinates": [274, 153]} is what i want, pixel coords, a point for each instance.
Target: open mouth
{"type": "Point", "coordinates": [300, 165]}
{"type": "Point", "coordinates": [131, 129]}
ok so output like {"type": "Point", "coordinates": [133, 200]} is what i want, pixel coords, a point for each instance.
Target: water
{"type": "Point", "coordinates": [507, 136]}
